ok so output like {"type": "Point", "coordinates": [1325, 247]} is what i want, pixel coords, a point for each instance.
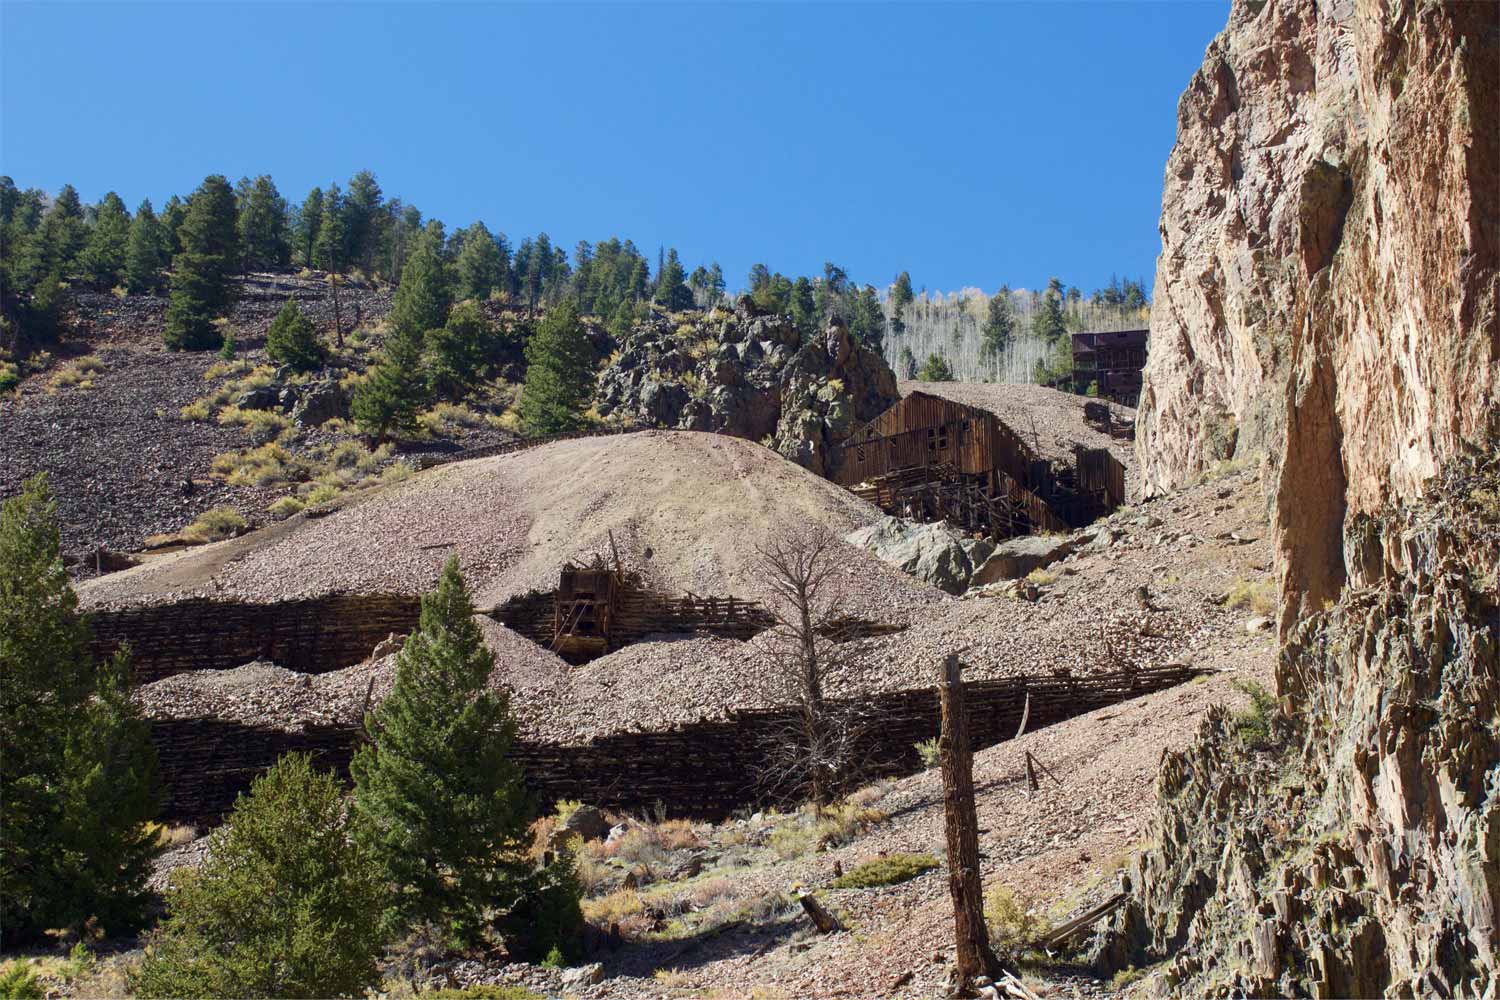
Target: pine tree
{"type": "Point", "coordinates": [173, 215]}
{"type": "Point", "coordinates": [866, 320]}
{"type": "Point", "coordinates": [68, 232]}
{"type": "Point", "coordinates": [262, 227]}
{"type": "Point", "coordinates": [362, 217]}
{"type": "Point", "coordinates": [908, 363]}
{"type": "Point", "coordinates": [422, 299]}
{"type": "Point", "coordinates": [77, 770]}
{"type": "Point", "coordinates": [999, 325]}
{"type": "Point", "coordinates": [479, 267]}
{"type": "Point", "coordinates": [293, 341]}
{"type": "Point", "coordinates": [328, 248]}
{"type": "Point", "coordinates": [201, 279]}
{"type": "Point", "coordinates": [936, 369]}
{"type": "Point", "coordinates": [457, 350]}
{"type": "Point", "coordinates": [802, 306]}
{"type": "Point", "coordinates": [146, 252]}
{"type": "Point", "coordinates": [1050, 322]}
{"type": "Point", "coordinates": [103, 257]}
{"type": "Point", "coordinates": [309, 222]}
{"type": "Point", "coordinates": [559, 373]}
{"type": "Point", "coordinates": [438, 800]}
{"type": "Point", "coordinates": [671, 291]}
{"type": "Point", "coordinates": [285, 904]}
{"type": "Point", "coordinates": [396, 390]}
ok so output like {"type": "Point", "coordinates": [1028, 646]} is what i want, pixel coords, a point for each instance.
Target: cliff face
{"type": "Point", "coordinates": [1326, 292]}
{"type": "Point", "coordinates": [1326, 303]}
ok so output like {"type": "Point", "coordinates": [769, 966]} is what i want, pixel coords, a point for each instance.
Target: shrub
{"type": "Point", "coordinates": [1253, 725]}
{"type": "Point", "coordinates": [286, 507]}
{"type": "Point", "coordinates": [285, 904]}
{"type": "Point", "coordinates": [548, 919]}
{"type": "Point", "coordinates": [264, 425]}
{"type": "Point", "coordinates": [77, 372]}
{"type": "Point", "coordinates": [930, 752]}
{"type": "Point", "coordinates": [891, 870]}
{"type": "Point", "coordinates": [267, 465]}
{"type": "Point", "coordinates": [1258, 595]}
{"type": "Point", "coordinates": [18, 983]}
{"type": "Point", "coordinates": [199, 410]}
{"type": "Point", "coordinates": [10, 376]}
{"type": "Point", "coordinates": [322, 493]}
{"type": "Point", "coordinates": [219, 369]}
{"type": "Point", "coordinates": [811, 829]}
{"type": "Point", "coordinates": [215, 525]}
{"type": "Point", "coordinates": [1014, 924]}
{"type": "Point", "coordinates": [448, 418]}
{"type": "Point", "coordinates": [483, 991]}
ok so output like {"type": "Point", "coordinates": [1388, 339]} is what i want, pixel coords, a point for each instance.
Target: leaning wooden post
{"type": "Point", "coordinates": [975, 958]}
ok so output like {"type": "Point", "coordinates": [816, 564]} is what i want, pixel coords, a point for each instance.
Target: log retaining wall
{"type": "Point", "coordinates": [706, 770]}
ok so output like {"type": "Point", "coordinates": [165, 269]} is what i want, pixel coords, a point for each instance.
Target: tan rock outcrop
{"type": "Point", "coordinates": [1326, 302]}
{"type": "Point", "coordinates": [1327, 289]}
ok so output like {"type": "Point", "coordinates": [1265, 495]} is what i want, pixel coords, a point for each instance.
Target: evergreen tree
{"type": "Point", "coordinates": [901, 294]}
{"type": "Point", "coordinates": [396, 390]}
{"type": "Point", "coordinates": [802, 306]}
{"type": "Point", "coordinates": [68, 233]}
{"type": "Point", "coordinates": [173, 215]}
{"type": "Point", "coordinates": [908, 363]}
{"type": "Point", "coordinates": [622, 320]}
{"type": "Point", "coordinates": [145, 252]}
{"type": "Point", "coordinates": [999, 325]}
{"type": "Point", "coordinates": [936, 369]}
{"type": "Point", "coordinates": [103, 257]}
{"type": "Point", "coordinates": [263, 228]}
{"type": "Point", "coordinates": [559, 373]}
{"type": "Point", "coordinates": [201, 279]}
{"type": "Point", "coordinates": [285, 905]}
{"type": "Point", "coordinates": [422, 299]}
{"type": "Point", "coordinates": [457, 350]}
{"type": "Point", "coordinates": [293, 341]}
{"type": "Point", "coordinates": [309, 224]}
{"type": "Point", "coordinates": [478, 266]}
{"type": "Point", "coordinates": [715, 283]}
{"type": "Point", "coordinates": [671, 291]}
{"type": "Point", "coordinates": [1049, 323]}
{"type": "Point", "coordinates": [77, 769]}
{"type": "Point", "coordinates": [362, 217]}
{"type": "Point", "coordinates": [439, 802]}
{"type": "Point", "coordinates": [328, 248]}
{"type": "Point", "coordinates": [866, 320]}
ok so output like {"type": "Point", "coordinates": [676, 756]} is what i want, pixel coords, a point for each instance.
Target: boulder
{"type": "Point", "coordinates": [1013, 559]}
{"type": "Point", "coordinates": [583, 975]}
{"type": "Point", "coordinates": [265, 397]}
{"type": "Point", "coordinates": [319, 403]}
{"type": "Point", "coordinates": [933, 553]}
{"type": "Point", "coordinates": [587, 822]}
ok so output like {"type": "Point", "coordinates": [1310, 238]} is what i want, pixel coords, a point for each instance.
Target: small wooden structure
{"type": "Point", "coordinates": [928, 458]}
{"type": "Point", "coordinates": [1112, 362]}
{"type": "Point", "coordinates": [583, 611]}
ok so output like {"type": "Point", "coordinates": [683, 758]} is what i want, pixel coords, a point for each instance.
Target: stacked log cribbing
{"type": "Point", "coordinates": [704, 770]}
{"type": "Point", "coordinates": [311, 635]}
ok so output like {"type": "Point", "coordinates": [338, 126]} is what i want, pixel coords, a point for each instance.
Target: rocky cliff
{"type": "Point", "coordinates": [1326, 304]}
{"type": "Point", "coordinates": [751, 376]}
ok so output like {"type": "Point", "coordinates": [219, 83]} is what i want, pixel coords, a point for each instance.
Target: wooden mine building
{"type": "Point", "coordinates": [1111, 361]}
{"type": "Point", "coordinates": [929, 458]}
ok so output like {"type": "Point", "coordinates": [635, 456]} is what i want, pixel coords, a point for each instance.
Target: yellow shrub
{"type": "Point", "coordinates": [77, 372]}
{"type": "Point", "coordinates": [214, 525]}
{"type": "Point", "coordinates": [286, 507]}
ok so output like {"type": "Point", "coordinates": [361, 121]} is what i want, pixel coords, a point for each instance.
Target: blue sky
{"type": "Point", "coordinates": [968, 144]}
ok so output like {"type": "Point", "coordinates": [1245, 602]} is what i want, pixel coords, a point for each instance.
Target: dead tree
{"type": "Point", "coordinates": [965, 883]}
{"type": "Point", "coordinates": [808, 649]}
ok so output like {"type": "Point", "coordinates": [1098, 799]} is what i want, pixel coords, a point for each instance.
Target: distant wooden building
{"type": "Point", "coordinates": [929, 458]}
{"type": "Point", "coordinates": [1112, 362]}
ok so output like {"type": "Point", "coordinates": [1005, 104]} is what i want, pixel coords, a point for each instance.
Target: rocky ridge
{"type": "Point", "coordinates": [750, 376]}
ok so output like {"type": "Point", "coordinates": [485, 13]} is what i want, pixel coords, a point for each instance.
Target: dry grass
{"type": "Point", "coordinates": [78, 373]}
{"type": "Point", "coordinates": [449, 419]}
{"type": "Point", "coordinates": [222, 369]}
{"type": "Point", "coordinates": [168, 837]}
{"type": "Point", "coordinates": [1015, 924]}
{"type": "Point", "coordinates": [215, 525]}
{"type": "Point", "coordinates": [1041, 577]}
{"type": "Point", "coordinates": [286, 507]}
{"type": "Point", "coordinates": [509, 421]}
{"type": "Point", "coordinates": [809, 830]}
{"type": "Point", "coordinates": [267, 465]}
{"type": "Point", "coordinates": [1257, 595]}
{"type": "Point", "coordinates": [263, 425]}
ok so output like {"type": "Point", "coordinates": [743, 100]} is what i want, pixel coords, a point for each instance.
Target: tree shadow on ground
{"type": "Point", "coordinates": [741, 939]}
